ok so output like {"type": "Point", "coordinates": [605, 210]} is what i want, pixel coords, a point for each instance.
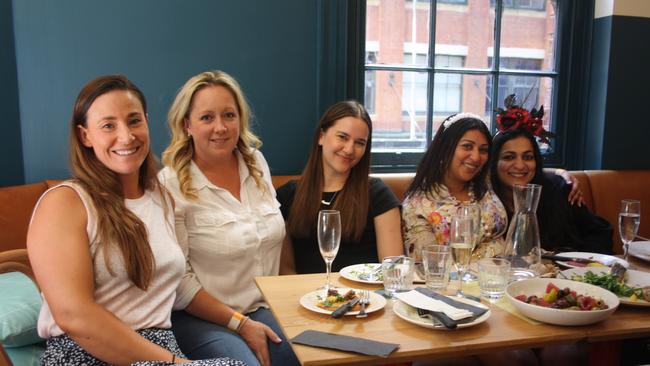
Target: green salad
{"type": "Point", "coordinates": [610, 282]}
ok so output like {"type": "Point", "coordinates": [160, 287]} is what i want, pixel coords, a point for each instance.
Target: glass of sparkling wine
{"type": "Point", "coordinates": [473, 212]}
{"type": "Point", "coordinates": [629, 218]}
{"type": "Point", "coordinates": [329, 238]}
{"type": "Point", "coordinates": [461, 241]}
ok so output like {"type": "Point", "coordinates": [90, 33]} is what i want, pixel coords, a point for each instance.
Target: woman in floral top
{"type": "Point", "coordinates": [451, 173]}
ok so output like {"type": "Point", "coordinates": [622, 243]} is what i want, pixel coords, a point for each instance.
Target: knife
{"type": "Point", "coordinates": [343, 309]}
{"type": "Point", "coordinates": [570, 259]}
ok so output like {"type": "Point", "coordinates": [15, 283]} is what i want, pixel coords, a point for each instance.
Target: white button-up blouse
{"type": "Point", "coordinates": [227, 242]}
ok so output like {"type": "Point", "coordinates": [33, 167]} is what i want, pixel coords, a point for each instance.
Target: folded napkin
{"type": "Point", "coordinates": [345, 343]}
{"type": "Point", "coordinates": [419, 300]}
{"type": "Point", "coordinates": [474, 310]}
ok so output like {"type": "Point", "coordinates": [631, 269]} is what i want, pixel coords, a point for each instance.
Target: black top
{"type": "Point", "coordinates": [567, 227]}
{"type": "Point", "coordinates": [306, 253]}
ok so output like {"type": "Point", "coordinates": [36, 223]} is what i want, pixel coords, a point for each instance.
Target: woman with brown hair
{"type": "Point", "coordinates": [336, 177]}
{"type": "Point", "coordinates": [102, 245]}
{"type": "Point", "coordinates": [228, 223]}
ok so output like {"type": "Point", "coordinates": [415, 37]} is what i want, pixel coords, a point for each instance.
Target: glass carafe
{"type": "Point", "coordinates": [522, 240]}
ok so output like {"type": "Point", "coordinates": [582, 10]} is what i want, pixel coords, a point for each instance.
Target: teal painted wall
{"type": "Point", "coordinates": [11, 153]}
{"type": "Point", "coordinates": [617, 127]}
{"type": "Point", "coordinates": [270, 47]}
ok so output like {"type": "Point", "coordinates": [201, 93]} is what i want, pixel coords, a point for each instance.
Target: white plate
{"type": "Point", "coordinates": [640, 249]}
{"type": "Point", "coordinates": [309, 300]}
{"type": "Point", "coordinates": [602, 258]}
{"type": "Point", "coordinates": [410, 314]}
{"type": "Point", "coordinates": [632, 278]}
{"type": "Point", "coordinates": [352, 272]}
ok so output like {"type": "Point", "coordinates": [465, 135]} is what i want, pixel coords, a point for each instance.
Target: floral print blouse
{"type": "Point", "coordinates": [426, 219]}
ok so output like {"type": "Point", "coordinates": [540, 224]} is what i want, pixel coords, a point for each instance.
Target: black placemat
{"type": "Point", "coordinates": [345, 343]}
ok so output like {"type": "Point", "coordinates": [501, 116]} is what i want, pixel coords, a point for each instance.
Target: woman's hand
{"type": "Point", "coordinates": [255, 334]}
{"type": "Point", "coordinates": [575, 196]}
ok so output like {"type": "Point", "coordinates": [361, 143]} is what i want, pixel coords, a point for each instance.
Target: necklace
{"type": "Point", "coordinates": [327, 203]}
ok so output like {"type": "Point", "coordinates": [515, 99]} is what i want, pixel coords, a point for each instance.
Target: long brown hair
{"type": "Point", "coordinates": [117, 226]}
{"type": "Point", "coordinates": [180, 151]}
{"type": "Point", "coordinates": [352, 200]}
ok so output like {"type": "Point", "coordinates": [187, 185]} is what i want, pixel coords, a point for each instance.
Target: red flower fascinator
{"type": "Point", "coordinates": [515, 116]}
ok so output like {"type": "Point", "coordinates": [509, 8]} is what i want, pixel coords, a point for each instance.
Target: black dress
{"type": "Point", "coordinates": [566, 227]}
{"type": "Point", "coordinates": [307, 257]}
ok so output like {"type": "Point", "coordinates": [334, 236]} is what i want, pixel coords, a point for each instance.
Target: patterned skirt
{"type": "Point", "coordinates": [63, 351]}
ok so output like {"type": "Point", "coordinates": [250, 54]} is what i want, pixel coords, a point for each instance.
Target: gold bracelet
{"type": "Point", "coordinates": [241, 324]}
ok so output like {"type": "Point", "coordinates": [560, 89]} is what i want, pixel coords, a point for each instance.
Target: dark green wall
{"type": "Point", "coordinates": [618, 126]}
{"type": "Point", "coordinates": [270, 47]}
{"type": "Point", "coordinates": [11, 153]}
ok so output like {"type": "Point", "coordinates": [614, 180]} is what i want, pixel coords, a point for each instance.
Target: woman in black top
{"type": "Point", "coordinates": [336, 177]}
{"type": "Point", "coordinates": [562, 226]}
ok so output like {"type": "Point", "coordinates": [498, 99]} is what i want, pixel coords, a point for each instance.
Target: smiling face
{"type": "Point", "coordinates": [516, 162]}
{"type": "Point", "coordinates": [117, 131]}
{"type": "Point", "coordinates": [469, 157]}
{"type": "Point", "coordinates": [343, 145]}
{"type": "Point", "coordinates": [213, 123]}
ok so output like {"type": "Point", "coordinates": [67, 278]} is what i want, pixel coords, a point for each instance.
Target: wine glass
{"type": "Point", "coordinates": [629, 218]}
{"type": "Point", "coordinates": [329, 238]}
{"type": "Point", "coordinates": [461, 241]}
{"type": "Point", "coordinates": [472, 211]}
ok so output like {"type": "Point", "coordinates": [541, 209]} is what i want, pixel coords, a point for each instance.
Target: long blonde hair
{"type": "Point", "coordinates": [180, 151]}
{"type": "Point", "coordinates": [116, 224]}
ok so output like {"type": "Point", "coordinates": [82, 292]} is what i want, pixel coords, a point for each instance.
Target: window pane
{"type": "Point", "coordinates": [530, 35]}
{"type": "Point", "coordinates": [394, 28]}
{"type": "Point", "coordinates": [532, 92]}
{"type": "Point", "coordinates": [465, 30]}
{"type": "Point", "coordinates": [456, 93]}
{"type": "Point", "coordinates": [400, 109]}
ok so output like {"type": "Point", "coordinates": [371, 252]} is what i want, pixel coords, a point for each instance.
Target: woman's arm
{"type": "Point", "coordinates": [287, 264]}
{"type": "Point", "coordinates": [58, 249]}
{"type": "Point", "coordinates": [389, 234]}
{"type": "Point", "coordinates": [206, 307]}
{"type": "Point", "coordinates": [575, 196]}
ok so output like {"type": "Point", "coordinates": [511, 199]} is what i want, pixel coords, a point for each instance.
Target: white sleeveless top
{"type": "Point", "coordinates": [136, 308]}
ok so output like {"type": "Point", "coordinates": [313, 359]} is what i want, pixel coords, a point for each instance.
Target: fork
{"type": "Point", "coordinates": [436, 319]}
{"type": "Point", "coordinates": [364, 300]}
{"type": "Point", "coordinates": [425, 314]}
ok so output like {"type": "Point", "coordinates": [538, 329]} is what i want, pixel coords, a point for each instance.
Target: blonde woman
{"type": "Point", "coordinates": [228, 223]}
{"type": "Point", "coordinates": [102, 245]}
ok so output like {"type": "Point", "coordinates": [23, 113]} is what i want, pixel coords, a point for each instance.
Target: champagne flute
{"type": "Point", "coordinates": [329, 238]}
{"type": "Point", "coordinates": [629, 218]}
{"type": "Point", "coordinates": [461, 243]}
{"type": "Point", "coordinates": [472, 211]}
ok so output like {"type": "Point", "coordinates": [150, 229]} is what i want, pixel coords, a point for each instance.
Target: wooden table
{"type": "Point", "coordinates": [501, 331]}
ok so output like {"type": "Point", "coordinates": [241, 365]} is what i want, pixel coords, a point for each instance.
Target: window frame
{"type": "Point", "coordinates": [574, 23]}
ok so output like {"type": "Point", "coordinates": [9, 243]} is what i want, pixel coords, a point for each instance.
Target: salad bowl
{"type": "Point", "coordinates": [538, 287]}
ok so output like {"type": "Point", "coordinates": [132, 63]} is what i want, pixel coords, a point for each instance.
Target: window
{"type": "Point", "coordinates": [482, 54]}
{"type": "Point", "coordinates": [521, 4]}
{"type": "Point", "coordinates": [447, 93]}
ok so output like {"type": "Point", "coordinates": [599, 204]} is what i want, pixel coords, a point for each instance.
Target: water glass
{"type": "Point", "coordinates": [629, 218]}
{"type": "Point", "coordinates": [437, 261]}
{"type": "Point", "coordinates": [398, 274]}
{"type": "Point", "coordinates": [493, 276]}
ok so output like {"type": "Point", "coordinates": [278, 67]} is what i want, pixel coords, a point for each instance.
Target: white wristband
{"type": "Point", "coordinates": [235, 321]}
